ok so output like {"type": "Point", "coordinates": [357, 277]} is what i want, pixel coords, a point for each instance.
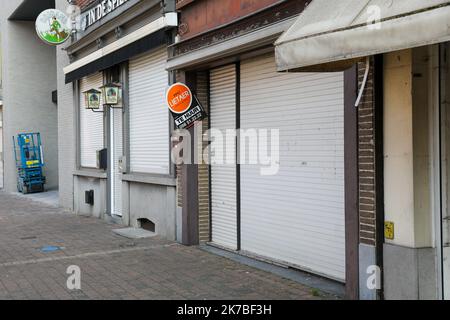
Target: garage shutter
{"type": "Point", "coordinates": [149, 115]}
{"type": "Point", "coordinates": [223, 175]}
{"type": "Point", "coordinates": [91, 124]}
{"type": "Point", "coordinates": [296, 216]}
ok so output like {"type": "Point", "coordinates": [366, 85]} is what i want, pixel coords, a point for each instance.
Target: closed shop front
{"type": "Point", "coordinates": [102, 129]}
{"type": "Point", "coordinates": [224, 175]}
{"type": "Point", "coordinates": [295, 216]}
{"type": "Point", "coordinates": [91, 123]}
{"type": "Point", "coordinates": [132, 181]}
{"type": "Point", "coordinates": [149, 116]}
{"type": "Point", "coordinates": [116, 143]}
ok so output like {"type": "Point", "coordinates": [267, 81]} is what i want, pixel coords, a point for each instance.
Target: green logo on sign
{"type": "Point", "coordinates": [52, 26]}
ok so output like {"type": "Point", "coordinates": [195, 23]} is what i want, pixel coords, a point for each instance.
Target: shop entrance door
{"type": "Point", "coordinates": [115, 159]}
{"type": "Point", "coordinates": [116, 151]}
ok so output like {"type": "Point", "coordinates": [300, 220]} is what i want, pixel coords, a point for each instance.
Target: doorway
{"type": "Point", "coordinates": [115, 119]}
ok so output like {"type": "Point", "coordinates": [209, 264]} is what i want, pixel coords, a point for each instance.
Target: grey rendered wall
{"type": "Point", "coordinates": [66, 128]}
{"type": "Point", "coordinates": [409, 274]}
{"type": "Point", "coordinates": [156, 203]}
{"type": "Point", "coordinates": [99, 187]}
{"type": "Point", "coordinates": [29, 77]}
{"type": "Point", "coordinates": [367, 258]}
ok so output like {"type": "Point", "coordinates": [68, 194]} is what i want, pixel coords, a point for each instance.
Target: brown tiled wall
{"type": "Point", "coordinates": [179, 187]}
{"type": "Point", "coordinates": [283, 10]}
{"type": "Point", "coordinates": [202, 16]}
{"type": "Point", "coordinates": [367, 186]}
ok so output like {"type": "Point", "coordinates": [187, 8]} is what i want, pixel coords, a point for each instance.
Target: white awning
{"type": "Point", "coordinates": [330, 31]}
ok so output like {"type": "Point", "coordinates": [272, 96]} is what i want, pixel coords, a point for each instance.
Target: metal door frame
{"type": "Point", "coordinates": [110, 143]}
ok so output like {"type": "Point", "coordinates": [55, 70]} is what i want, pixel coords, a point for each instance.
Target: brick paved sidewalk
{"type": "Point", "coordinates": [113, 267]}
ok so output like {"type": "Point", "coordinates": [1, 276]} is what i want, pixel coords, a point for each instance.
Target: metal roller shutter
{"type": "Point", "coordinates": [91, 124]}
{"type": "Point", "coordinates": [296, 216]}
{"type": "Point", "coordinates": [223, 175]}
{"type": "Point", "coordinates": [149, 116]}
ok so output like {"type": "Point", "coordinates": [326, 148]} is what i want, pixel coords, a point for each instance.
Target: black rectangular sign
{"type": "Point", "coordinates": [195, 113]}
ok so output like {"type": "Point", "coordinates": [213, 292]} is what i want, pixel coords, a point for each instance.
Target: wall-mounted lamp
{"type": "Point", "coordinates": [92, 99]}
{"type": "Point", "coordinates": [112, 95]}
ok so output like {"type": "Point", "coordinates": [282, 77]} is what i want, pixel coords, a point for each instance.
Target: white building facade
{"type": "Point", "coordinates": [137, 187]}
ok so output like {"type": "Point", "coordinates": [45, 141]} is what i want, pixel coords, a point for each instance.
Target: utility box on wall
{"type": "Point", "coordinates": [102, 159]}
{"type": "Point", "coordinates": [89, 197]}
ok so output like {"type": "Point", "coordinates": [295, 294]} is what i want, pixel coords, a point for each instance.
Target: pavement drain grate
{"type": "Point", "coordinates": [50, 249]}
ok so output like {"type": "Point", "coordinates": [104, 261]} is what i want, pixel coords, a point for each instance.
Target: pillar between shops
{"type": "Point", "coordinates": [189, 180]}
{"type": "Point", "coordinates": [409, 258]}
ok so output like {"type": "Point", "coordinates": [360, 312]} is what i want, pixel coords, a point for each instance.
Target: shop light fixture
{"type": "Point", "coordinates": [112, 95]}
{"type": "Point", "coordinates": [92, 99]}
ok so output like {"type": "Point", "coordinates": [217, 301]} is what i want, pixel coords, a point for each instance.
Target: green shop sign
{"type": "Point", "coordinates": [52, 26]}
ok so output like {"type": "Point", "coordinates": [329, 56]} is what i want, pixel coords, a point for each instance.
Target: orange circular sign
{"type": "Point", "coordinates": [179, 98]}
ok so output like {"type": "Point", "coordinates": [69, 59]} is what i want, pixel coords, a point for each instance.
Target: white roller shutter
{"type": "Point", "coordinates": [223, 174]}
{"type": "Point", "coordinates": [149, 115]}
{"type": "Point", "coordinates": [91, 124]}
{"type": "Point", "coordinates": [297, 215]}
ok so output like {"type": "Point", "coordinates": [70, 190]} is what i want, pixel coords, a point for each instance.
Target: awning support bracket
{"type": "Point", "coordinates": [363, 84]}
